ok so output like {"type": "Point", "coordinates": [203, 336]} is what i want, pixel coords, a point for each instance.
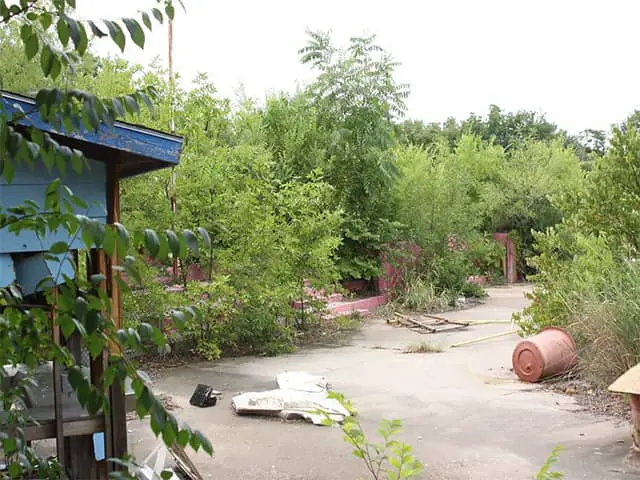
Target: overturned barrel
{"type": "Point", "coordinates": [550, 352]}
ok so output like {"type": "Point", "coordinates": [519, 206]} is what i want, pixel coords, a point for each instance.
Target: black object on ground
{"type": "Point", "coordinates": [204, 396]}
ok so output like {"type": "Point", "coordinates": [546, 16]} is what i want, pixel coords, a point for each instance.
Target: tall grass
{"type": "Point", "coordinates": [420, 295]}
{"type": "Point", "coordinates": [607, 327]}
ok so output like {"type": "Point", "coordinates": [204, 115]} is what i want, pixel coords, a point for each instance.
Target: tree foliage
{"type": "Point", "coordinates": [357, 99]}
{"type": "Point", "coordinates": [586, 272]}
{"type": "Point", "coordinates": [507, 129]}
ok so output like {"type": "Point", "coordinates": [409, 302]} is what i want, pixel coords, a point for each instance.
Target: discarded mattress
{"type": "Point", "coordinates": [302, 382]}
{"type": "Point", "coordinates": [300, 395]}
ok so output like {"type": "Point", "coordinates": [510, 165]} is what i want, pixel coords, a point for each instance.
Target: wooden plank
{"type": "Point", "coordinates": [94, 194]}
{"type": "Point", "coordinates": [82, 462]}
{"type": "Point", "coordinates": [184, 463]}
{"type": "Point", "coordinates": [32, 269]}
{"type": "Point", "coordinates": [416, 323]}
{"type": "Point", "coordinates": [450, 328]}
{"type": "Point", "coordinates": [27, 241]}
{"type": "Point", "coordinates": [72, 427]}
{"type": "Point", "coordinates": [31, 183]}
{"type": "Point", "coordinates": [446, 320]}
{"type": "Point", "coordinates": [98, 265]}
{"type": "Point", "coordinates": [482, 339]}
{"type": "Point", "coordinates": [80, 458]}
{"type": "Point", "coordinates": [39, 174]}
{"type": "Point", "coordinates": [57, 386]}
{"type": "Point", "coordinates": [7, 270]}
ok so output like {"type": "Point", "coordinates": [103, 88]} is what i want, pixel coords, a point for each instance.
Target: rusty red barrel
{"type": "Point", "coordinates": [550, 352]}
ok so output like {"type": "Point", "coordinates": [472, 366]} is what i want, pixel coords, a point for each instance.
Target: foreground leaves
{"type": "Point", "coordinates": [79, 305]}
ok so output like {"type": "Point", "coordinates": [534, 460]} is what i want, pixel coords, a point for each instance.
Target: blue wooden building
{"type": "Point", "coordinates": [113, 153]}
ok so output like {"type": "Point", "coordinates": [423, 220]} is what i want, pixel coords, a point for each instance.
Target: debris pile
{"type": "Point", "coordinates": [184, 468]}
{"type": "Point", "coordinates": [299, 395]}
{"type": "Point", "coordinates": [427, 323]}
{"type": "Point", "coordinates": [204, 396]}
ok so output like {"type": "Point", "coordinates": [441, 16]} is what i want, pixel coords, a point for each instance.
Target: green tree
{"type": "Point", "coordinates": [529, 191]}
{"type": "Point", "coordinates": [586, 278]}
{"type": "Point", "coordinates": [357, 99]}
{"type": "Point", "coordinates": [243, 177]}
{"type": "Point", "coordinates": [294, 136]}
{"type": "Point", "coordinates": [507, 129]}
{"type": "Point", "coordinates": [416, 132]}
{"type": "Point", "coordinates": [440, 192]}
{"type": "Point", "coordinates": [510, 129]}
{"type": "Point", "coordinates": [613, 194]}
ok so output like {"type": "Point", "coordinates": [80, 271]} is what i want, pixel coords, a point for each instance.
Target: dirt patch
{"type": "Point", "coordinates": [167, 402]}
{"type": "Point", "coordinates": [330, 332]}
{"type": "Point", "coordinates": [155, 364]}
{"type": "Point", "coordinates": [594, 400]}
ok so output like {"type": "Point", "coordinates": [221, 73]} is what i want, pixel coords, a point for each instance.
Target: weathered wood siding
{"type": "Point", "coordinates": [30, 184]}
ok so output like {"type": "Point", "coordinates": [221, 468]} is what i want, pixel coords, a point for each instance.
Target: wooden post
{"type": "Point", "coordinates": [57, 386]}
{"type": "Point", "coordinates": [80, 455]}
{"type": "Point", "coordinates": [118, 420]}
{"type": "Point", "coordinates": [98, 265]}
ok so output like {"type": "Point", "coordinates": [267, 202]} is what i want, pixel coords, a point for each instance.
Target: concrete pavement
{"type": "Point", "coordinates": [465, 413]}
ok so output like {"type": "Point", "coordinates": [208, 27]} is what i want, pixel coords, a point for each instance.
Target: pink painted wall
{"type": "Point", "coordinates": [510, 269]}
{"type": "Point", "coordinates": [392, 268]}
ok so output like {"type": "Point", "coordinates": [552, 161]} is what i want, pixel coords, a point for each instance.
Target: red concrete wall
{"type": "Point", "coordinates": [393, 266]}
{"type": "Point", "coordinates": [510, 269]}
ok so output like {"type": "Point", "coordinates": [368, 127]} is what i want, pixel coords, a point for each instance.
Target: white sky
{"type": "Point", "coordinates": [576, 61]}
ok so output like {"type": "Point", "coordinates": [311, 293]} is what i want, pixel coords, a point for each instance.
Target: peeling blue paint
{"type": "Point", "coordinates": [32, 269]}
{"type": "Point", "coordinates": [31, 183]}
{"type": "Point", "coordinates": [127, 138]}
{"type": "Point", "coordinates": [7, 270]}
{"type": "Point", "coordinates": [135, 149]}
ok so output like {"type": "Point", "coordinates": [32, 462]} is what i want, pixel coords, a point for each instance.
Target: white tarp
{"type": "Point", "coordinates": [300, 395]}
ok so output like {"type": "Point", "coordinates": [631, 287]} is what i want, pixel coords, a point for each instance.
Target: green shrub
{"type": "Point", "coordinates": [545, 472]}
{"type": "Point", "coordinates": [586, 277]}
{"type": "Point", "coordinates": [607, 327]}
{"type": "Point", "coordinates": [587, 286]}
{"type": "Point", "coordinates": [487, 257]}
{"type": "Point", "coordinates": [417, 293]}
{"type": "Point", "coordinates": [525, 196]}
{"type": "Point", "coordinates": [571, 268]}
{"type": "Point", "coordinates": [473, 290]}
{"type": "Point", "coordinates": [389, 459]}
{"type": "Point", "coordinates": [216, 302]}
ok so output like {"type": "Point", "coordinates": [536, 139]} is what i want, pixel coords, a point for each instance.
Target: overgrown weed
{"type": "Point", "coordinates": [423, 347]}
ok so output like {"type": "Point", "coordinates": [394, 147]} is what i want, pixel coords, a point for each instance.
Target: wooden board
{"type": "Point", "coordinates": [117, 433]}
{"type": "Point", "coordinates": [628, 382]}
{"type": "Point", "coordinates": [73, 427]}
{"type": "Point", "coordinates": [184, 463]}
{"type": "Point", "coordinates": [31, 184]}
{"type": "Point", "coordinates": [425, 325]}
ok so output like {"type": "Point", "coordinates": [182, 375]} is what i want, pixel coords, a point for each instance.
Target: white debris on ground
{"type": "Point", "coordinates": [299, 395]}
{"type": "Point", "coordinates": [302, 382]}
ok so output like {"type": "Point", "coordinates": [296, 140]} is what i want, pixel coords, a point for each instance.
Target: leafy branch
{"type": "Point", "coordinates": [391, 459]}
